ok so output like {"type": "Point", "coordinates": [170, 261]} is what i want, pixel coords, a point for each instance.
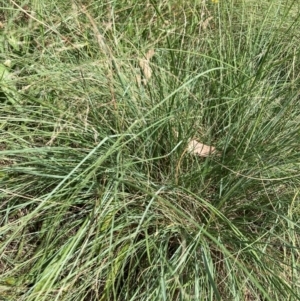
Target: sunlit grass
{"type": "Point", "coordinates": [100, 197]}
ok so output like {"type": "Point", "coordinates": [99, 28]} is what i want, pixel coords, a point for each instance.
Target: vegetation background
{"type": "Point", "coordinates": [102, 197]}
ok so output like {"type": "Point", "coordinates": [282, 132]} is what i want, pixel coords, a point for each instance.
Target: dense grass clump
{"type": "Point", "coordinates": [102, 197]}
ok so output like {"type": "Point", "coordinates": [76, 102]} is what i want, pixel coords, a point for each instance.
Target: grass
{"type": "Point", "coordinates": [100, 199]}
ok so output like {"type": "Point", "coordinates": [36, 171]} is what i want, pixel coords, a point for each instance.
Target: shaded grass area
{"type": "Point", "coordinates": [100, 199]}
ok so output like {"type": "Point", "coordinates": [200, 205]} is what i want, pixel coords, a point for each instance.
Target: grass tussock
{"type": "Point", "coordinates": [101, 196]}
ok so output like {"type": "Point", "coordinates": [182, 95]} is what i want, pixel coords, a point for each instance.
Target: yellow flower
{"type": "Point", "coordinates": [215, 1]}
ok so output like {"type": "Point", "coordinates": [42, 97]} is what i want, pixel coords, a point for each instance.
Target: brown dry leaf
{"type": "Point", "coordinates": [138, 80]}
{"type": "Point", "coordinates": [206, 23]}
{"type": "Point", "coordinates": [145, 65]}
{"type": "Point", "coordinates": [149, 55]}
{"type": "Point", "coordinates": [200, 149]}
